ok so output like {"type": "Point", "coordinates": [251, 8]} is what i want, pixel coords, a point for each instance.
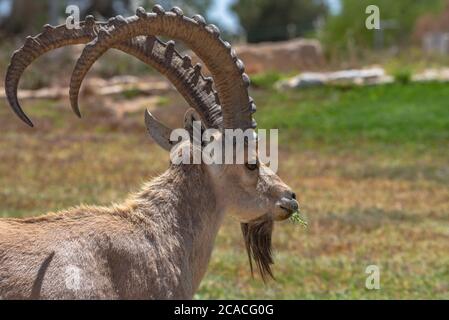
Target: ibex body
{"type": "Point", "coordinates": [156, 244]}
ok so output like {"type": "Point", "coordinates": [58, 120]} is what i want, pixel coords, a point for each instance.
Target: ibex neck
{"type": "Point", "coordinates": [183, 219]}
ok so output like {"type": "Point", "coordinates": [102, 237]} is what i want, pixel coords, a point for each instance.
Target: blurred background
{"type": "Point", "coordinates": [363, 119]}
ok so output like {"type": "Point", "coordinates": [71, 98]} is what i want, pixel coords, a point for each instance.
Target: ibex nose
{"type": "Point", "coordinates": [294, 205]}
{"type": "Point", "coordinates": [289, 204]}
{"type": "Point", "coordinates": [293, 195]}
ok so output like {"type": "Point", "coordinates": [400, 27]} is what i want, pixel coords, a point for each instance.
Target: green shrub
{"type": "Point", "coordinates": [131, 93]}
{"type": "Point", "coordinates": [402, 75]}
{"type": "Point", "coordinates": [265, 80]}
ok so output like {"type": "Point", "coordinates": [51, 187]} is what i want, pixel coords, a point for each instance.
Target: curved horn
{"type": "Point", "coordinates": [228, 71]}
{"type": "Point", "coordinates": [187, 79]}
{"type": "Point", "coordinates": [50, 38]}
{"type": "Point", "coordinates": [149, 50]}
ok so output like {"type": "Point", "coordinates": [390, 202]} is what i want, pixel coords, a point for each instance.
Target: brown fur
{"type": "Point", "coordinates": [157, 245]}
{"type": "Point", "coordinates": [257, 236]}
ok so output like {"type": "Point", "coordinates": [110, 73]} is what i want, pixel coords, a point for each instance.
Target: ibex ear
{"type": "Point", "coordinates": [159, 132]}
{"type": "Point", "coordinates": [192, 119]}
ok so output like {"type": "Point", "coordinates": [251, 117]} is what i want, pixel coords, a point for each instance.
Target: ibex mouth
{"type": "Point", "coordinates": [289, 211]}
{"type": "Point", "coordinates": [288, 207]}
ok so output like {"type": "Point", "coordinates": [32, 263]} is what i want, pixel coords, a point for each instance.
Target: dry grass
{"type": "Point", "coordinates": [391, 210]}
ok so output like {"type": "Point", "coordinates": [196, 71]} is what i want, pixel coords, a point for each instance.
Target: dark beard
{"type": "Point", "coordinates": [257, 236]}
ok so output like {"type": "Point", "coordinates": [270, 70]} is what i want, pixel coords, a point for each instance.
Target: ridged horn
{"type": "Point", "coordinates": [169, 62]}
{"type": "Point", "coordinates": [231, 84]}
{"type": "Point", "coordinates": [51, 38]}
{"type": "Point", "coordinates": [149, 50]}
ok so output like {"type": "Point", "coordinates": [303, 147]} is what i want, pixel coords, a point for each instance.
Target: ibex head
{"type": "Point", "coordinates": [257, 197]}
{"type": "Point", "coordinates": [255, 194]}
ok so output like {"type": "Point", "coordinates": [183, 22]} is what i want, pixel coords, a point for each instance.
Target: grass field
{"type": "Point", "coordinates": [370, 167]}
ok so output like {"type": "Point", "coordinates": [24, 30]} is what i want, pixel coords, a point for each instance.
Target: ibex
{"type": "Point", "coordinates": [157, 244]}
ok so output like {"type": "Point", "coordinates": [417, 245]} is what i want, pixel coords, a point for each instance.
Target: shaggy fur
{"type": "Point", "coordinates": [156, 245]}
{"type": "Point", "coordinates": [257, 236]}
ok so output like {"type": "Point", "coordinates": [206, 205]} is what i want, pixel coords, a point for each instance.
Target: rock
{"type": "Point", "coordinates": [284, 56]}
{"type": "Point", "coordinates": [432, 75]}
{"type": "Point", "coordinates": [370, 76]}
{"type": "Point", "coordinates": [374, 75]}
{"type": "Point", "coordinates": [306, 79]}
{"type": "Point", "coordinates": [101, 87]}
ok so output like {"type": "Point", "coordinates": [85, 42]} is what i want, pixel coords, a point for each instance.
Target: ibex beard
{"type": "Point", "coordinates": [157, 243]}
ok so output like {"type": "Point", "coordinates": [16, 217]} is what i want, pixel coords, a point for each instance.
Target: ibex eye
{"type": "Point", "coordinates": [251, 166]}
